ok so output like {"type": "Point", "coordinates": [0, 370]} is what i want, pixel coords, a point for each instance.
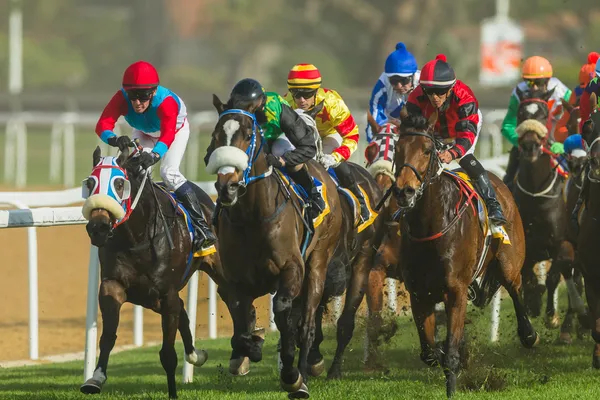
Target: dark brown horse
{"type": "Point", "coordinates": [264, 249]}
{"type": "Point", "coordinates": [144, 259]}
{"type": "Point", "coordinates": [438, 264]}
{"type": "Point", "coordinates": [589, 232]}
{"type": "Point", "coordinates": [538, 192]}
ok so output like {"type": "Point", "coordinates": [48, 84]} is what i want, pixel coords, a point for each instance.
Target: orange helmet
{"type": "Point", "coordinates": [304, 76]}
{"type": "Point", "coordinates": [588, 71]}
{"type": "Point", "coordinates": [536, 67]}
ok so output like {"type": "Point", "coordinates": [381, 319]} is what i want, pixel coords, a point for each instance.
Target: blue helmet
{"type": "Point", "coordinates": [400, 62]}
{"type": "Point", "coordinates": [573, 142]}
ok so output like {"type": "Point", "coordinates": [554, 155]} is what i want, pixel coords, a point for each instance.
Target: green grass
{"type": "Point", "coordinates": [550, 371]}
{"type": "Point", "coordinates": [38, 157]}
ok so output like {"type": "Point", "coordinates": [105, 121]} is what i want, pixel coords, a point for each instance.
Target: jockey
{"type": "Point", "coordinates": [389, 95]}
{"type": "Point", "coordinates": [456, 111]}
{"type": "Point", "coordinates": [586, 74]}
{"type": "Point", "coordinates": [158, 119]}
{"type": "Point", "coordinates": [590, 98]}
{"type": "Point", "coordinates": [276, 118]}
{"type": "Point", "coordinates": [336, 126]}
{"type": "Point", "coordinates": [537, 75]}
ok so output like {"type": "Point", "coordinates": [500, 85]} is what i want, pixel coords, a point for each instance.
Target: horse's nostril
{"type": "Point", "coordinates": [409, 191]}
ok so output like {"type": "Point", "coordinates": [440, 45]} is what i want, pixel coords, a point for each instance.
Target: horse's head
{"type": "Point", "coordinates": [108, 192]}
{"type": "Point", "coordinates": [532, 116]}
{"type": "Point", "coordinates": [235, 142]}
{"type": "Point", "coordinates": [416, 160]}
{"type": "Point", "coordinates": [591, 134]}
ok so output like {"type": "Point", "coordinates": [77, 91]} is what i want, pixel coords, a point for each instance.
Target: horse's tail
{"type": "Point", "coordinates": [489, 285]}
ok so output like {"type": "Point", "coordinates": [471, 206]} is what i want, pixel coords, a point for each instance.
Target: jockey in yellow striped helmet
{"type": "Point", "coordinates": [336, 126]}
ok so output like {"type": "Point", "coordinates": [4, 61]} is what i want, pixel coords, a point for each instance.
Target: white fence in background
{"type": "Point", "coordinates": [63, 152]}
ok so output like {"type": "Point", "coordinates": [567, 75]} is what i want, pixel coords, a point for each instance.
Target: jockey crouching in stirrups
{"type": "Point", "coordinates": [158, 118]}
{"type": "Point", "coordinates": [453, 105]}
{"type": "Point", "coordinates": [336, 126]}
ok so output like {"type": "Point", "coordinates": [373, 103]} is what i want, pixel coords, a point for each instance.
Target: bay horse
{"type": "Point", "coordinates": [145, 253]}
{"type": "Point", "coordinates": [438, 264]}
{"type": "Point", "coordinates": [538, 192]}
{"type": "Point", "coordinates": [589, 232]}
{"type": "Point", "coordinates": [264, 245]}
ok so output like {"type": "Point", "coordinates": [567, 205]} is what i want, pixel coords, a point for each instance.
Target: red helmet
{"type": "Point", "coordinates": [140, 75]}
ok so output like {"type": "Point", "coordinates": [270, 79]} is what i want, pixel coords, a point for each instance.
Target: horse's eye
{"type": "Point", "coordinates": [428, 151]}
{"type": "Point", "coordinates": [119, 184]}
{"type": "Point", "coordinates": [90, 183]}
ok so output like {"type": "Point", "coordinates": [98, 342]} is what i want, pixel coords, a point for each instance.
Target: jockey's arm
{"type": "Point", "coordinates": [465, 128]}
{"type": "Point", "coordinates": [167, 112]}
{"type": "Point", "coordinates": [509, 124]}
{"type": "Point", "coordinates": [374, 126]}
{"type": "Point", "coordinates": [299, 134]}
{"type": "Point", "coordinates": [116, 107]}
{"type": "Point", "coordinates": [345, 125]}
{"type": "Point", "coordinates": [376, 114]}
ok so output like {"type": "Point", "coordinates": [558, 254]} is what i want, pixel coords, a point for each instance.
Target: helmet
{"type": "Point", "coordinates": [246, 92]}
{"type": "Point", "coordinates": [437, 74]}
{"type": "Point", "coordinates": [400, 62]}
{"type": "Point", "coordinates": [304, 76]}
{"type": "Point", "coordinates": [587, 71]}
{"type": "Point", "coordinates": [536, 67]}
{"type": "Point", "coordinates": [140, 75]}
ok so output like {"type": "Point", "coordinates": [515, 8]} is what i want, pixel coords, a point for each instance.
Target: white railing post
{"type": "Point", "coordinates": [91, 316]}
{"type": "Point", "coordinates": [56, 147]}
{"type": "Point", "coordinates": [272, 324]}
{"type": "Point", "coordinates": [21, 166]}
{"type": "Point", "coordinates": [212, 309]}
{"type": "Point", "coordinates": [32, 264]}
{"type": "Point", "coordinates": [495, 325]}
{"type": "Point", "coordinates": [69, 151]}
{"type": "Point", "coordinates": [192, 309]}
{"type": "Point", "coordinates": [392, 295]}
{"type": "Point", "coordinates": [138, 326]}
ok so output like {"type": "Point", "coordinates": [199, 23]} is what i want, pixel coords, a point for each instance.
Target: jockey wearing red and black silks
{"type": "Point", "coordinates": [456, 110]}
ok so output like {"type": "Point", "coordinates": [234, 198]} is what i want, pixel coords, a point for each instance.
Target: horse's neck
{"type": "Point", "coordinates": [536, 175]}
{"type": "Point", "coordinates": [142, 222]}
{"type": "Point", "coordinates": [434, 211]}
{"type": "Point", "coordinates": [593, 200]}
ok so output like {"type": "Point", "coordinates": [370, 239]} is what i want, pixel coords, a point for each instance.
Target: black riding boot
{"type": "Point", "coordinates": [303, 178]}
{"type": "Point", "coordinates": [347, 180]}
{"type": "Point", "coordinates": [203, 236]}
{"type": "Point", "coordinates": [484, 187]}
{"type": "Point", "coordinates": [512, 168]}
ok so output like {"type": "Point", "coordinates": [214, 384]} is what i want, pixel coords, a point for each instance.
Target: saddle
{"type": "Point", "coordinates": [359, 225]}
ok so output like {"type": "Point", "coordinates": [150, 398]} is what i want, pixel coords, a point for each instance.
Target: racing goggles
{"type": "Point", "coordinates": [539, 82]}
{"type": "Point", "coordinates": [402, 80]}
{"type": "Point", "coordinates": [303, 93]}
{"type": "Point", "coordinates": [140, 94]}
{"type": "Point", "coordinates": [439, 91]}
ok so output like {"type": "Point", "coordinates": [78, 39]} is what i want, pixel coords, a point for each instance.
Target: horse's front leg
{"type": "Point", "coordinates": [290, 285]}
{"type": "Point", "coordinates": [170, 311]}
{"type": "Point", "coordinates": [423, 314]}
{"type": "Point", "coordinates": [456, 308]}
{"type": "Point", "coordinates": [192, 356]}
{"type": "Point", "coordinates": [552, 281]}
{"type": "Point", "coordinates": [111, 297]}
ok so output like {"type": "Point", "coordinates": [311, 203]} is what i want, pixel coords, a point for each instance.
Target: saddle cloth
{"type": "Point", "coordinates": [359, 224]}
{"type": "Point", "coordinates": [302, 196]}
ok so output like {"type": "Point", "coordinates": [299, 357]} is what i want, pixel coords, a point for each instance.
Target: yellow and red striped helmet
{"type": "Point", "coordinates": [304, 76]}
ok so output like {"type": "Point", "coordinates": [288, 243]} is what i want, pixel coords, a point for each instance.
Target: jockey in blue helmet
{"type": "Point", "coordinates": [389, 95]}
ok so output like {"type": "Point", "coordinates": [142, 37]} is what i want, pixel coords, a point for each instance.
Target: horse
{"type": "Point", "coordinates": [589, 231]}
{"type": "Point", "coordinates": [436, 213]}
{"type": "Point", "coordinates": [538, 192]}
{"type": "Point", "coordinates": [145, 252]}
{"type": "Point", "coordinates": [267, 246]}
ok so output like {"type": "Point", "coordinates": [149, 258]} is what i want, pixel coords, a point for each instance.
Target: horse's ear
{"type": "Point", "coordinates": [96, 156]}
{"type": "Point", "coordinates": [548, 94]}
{"type": "Point", "coordinates": [218, 104]}
{"type": "Point", "coordinates": [519, 93]}
{"type": "Point", "coordinates": [123, 157]}
{"type": "Point", "coordinates": [315, 110]}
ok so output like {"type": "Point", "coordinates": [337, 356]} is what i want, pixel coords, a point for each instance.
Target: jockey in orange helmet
{"type": "Point", "coordinates": [586, 74]}
{"type": "Point", "coordinates": [537, 75]}
{"type": "Point", "coordinates": [159, 121]}
{"type": "Point", "coordinates": [336, 126]}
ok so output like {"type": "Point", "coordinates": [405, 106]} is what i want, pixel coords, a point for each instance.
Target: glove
{"type": "Point", "coordinates": [328, 161]}
{"type": "Point", "coordinates": [274, 161]}
{"type": "Point", "coordinates": [557, 148]}
{"type": "Point", "coordinates": [122, 142]}
{"type": "Point", "coordinates": [148, 159]}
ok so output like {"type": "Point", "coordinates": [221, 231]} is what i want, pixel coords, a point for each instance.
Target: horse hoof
{"type": "Point", "coordinates": [334, 373]}
{"type": "Point", "coordinates": [565, 338]}
{"type": "Point", "coordinates": [239, 366]}
{"type": "Point", "coordinates": [301, 393]}
{"type": "Point", "coordinates": [552, 322]}
{"type": "Point", "coordinates": [317, 369]}
{"type": "Point", "coordinates": [260, 332]}
{"type": "Point", "coordinates": [197, 358]}
{"type": "Point", "coordinates": [91, 386]}
{"type": "Point", "coordinates": [293, 387]}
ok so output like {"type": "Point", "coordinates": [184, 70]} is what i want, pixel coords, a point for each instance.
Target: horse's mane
{"type": "Point", "coordinates": [415, 122]}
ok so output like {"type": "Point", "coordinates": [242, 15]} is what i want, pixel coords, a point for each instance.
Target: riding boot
{"type": "Point", "coordinates": [487, 192]}
{"type": "Point", "coordinates": [577, 208]}
{"type": "Point", "coordinates": [203, 237]}
{"type": "Point", "coordinates": [364, 210]}
{"type": "Point", "coordinates": [303, 178]}
{"type": "Point", "coordinates": [512, 168]}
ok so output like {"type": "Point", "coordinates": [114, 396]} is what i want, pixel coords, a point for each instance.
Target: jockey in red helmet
{"type": "Point", "coordinates": [453, 105]}
{"type": "Point", "coordinates": [158, 118]}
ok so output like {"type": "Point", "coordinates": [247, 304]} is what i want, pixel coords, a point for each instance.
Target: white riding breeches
{"type": "Point", "coordinates": [169, 164]}
{"type": "Point", "coordinates": [282, 144]}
